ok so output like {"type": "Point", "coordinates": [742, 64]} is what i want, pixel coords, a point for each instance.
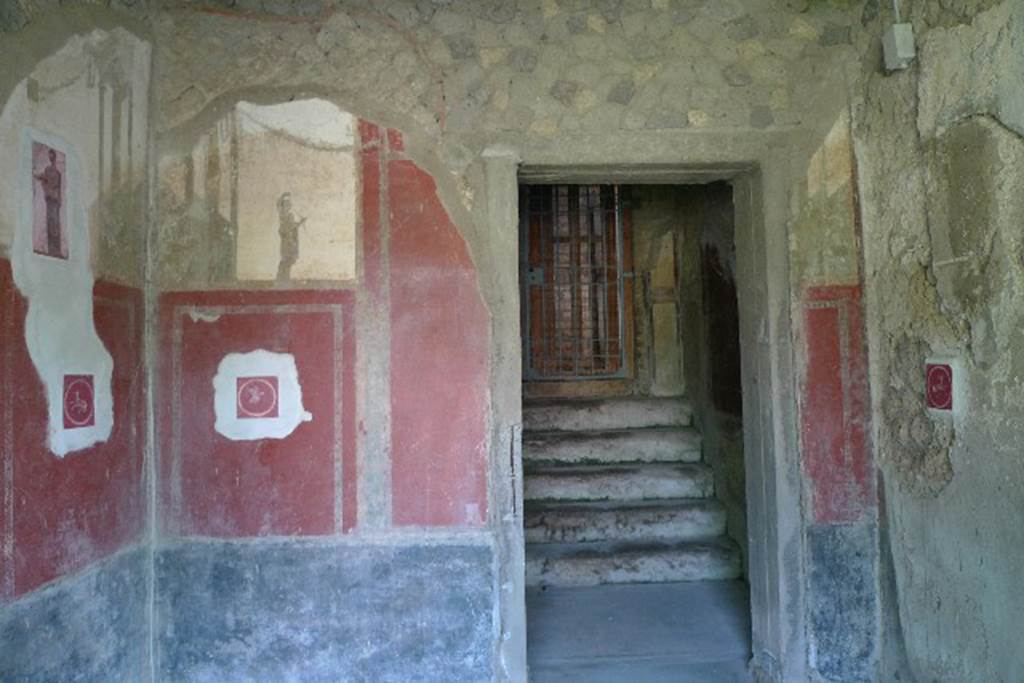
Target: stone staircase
{"type": "Point", "coordinates": [615, 491]}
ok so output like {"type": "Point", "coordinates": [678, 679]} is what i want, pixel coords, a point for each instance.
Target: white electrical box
{"type": "Point", "coordinates": [898, 47]}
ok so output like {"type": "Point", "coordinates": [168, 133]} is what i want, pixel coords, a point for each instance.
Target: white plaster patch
{"type": "Point", "coordinates": [257, 395]}
{"type": "Point", "coordinates": [315, 122]}
{"type": "Point", "coordinates": [64, 155]}
{"type": "Point", "coordinates": [59, 330]}
{"type": "Point", "coordinates": [201, 317]}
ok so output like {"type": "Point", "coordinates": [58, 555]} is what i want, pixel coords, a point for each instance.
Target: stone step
{"type": "Point", "coordinates": [659, 520]}
{"type": "Point", "coordinates": [605, 414]}
{"type": "Point", "coordinates": [591, 564]}
{"type": "Point", "coordinates": [673, 444]}
{"type": "Point", "coordinates": [618, 482]}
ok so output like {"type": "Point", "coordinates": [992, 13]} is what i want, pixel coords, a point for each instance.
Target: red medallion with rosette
{"type": "Point", "coordinates": [256, 397]}
{"type": "Point", "coordinates": [79, 401]}
{"type": "Point", "coordinates": [939, 386]}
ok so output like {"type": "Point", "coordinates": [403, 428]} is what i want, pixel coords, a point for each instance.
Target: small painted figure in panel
{"type": "Point", "coordinates": [49, 211]}
{"type": "Point", "coordinates": [288, 228]}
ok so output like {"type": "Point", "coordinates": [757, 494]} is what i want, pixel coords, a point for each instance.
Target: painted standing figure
{"type": "Point", "coordinates": [51, 181]}
{"type": "Point", "coordinates": [288, 228]}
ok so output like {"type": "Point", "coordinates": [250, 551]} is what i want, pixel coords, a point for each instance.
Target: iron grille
{"type": "Point", "coordinates": [571, 266]}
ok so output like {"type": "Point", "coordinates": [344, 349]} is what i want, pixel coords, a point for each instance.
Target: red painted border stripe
{"type": "Point", "coordinates": [835, 404]}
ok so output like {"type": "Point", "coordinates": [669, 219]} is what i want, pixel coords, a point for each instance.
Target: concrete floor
{"type": "Point", "coordinates": [642, 633]}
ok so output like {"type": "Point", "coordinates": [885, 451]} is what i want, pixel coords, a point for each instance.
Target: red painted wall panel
{"type": "Point", "coordinates": [413, 261]}
{"type": "Point", "coordinates": [303, 484]}
{"type": "Point", "coordinates": [63, 514]}
{"type": "Point", "coordinates": [834, 405]}
{"type": "Point", "coordinates": [439, 347]}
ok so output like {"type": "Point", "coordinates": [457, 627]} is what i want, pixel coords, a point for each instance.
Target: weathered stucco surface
{"type": "Point", "coordinates": [940, 155]}
{"type": "Point", "coordinates": [74, 570]}
{"type": "Point", "coordinates": [283, 611]}
{"type": "Point", "coordinates": [91, 627]}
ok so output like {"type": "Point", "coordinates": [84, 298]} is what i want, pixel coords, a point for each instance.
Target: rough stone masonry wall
{"type": "Point", "coordinates": [941, 162]}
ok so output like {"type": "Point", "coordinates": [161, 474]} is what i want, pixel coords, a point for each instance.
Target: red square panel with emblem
{"type": "Point", "coordinates": [220, 486]}
{"type": "Point", "coordinates": [79, 404]}
{"type": "Point", "coordinates": [256, 397]}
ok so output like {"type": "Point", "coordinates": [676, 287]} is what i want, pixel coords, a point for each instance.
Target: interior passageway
{"type": "Point", "coordinates": [634, 517]}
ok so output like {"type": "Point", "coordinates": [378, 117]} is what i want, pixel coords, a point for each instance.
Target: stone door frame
{"type": "Point", "coordinates": [756, 164]}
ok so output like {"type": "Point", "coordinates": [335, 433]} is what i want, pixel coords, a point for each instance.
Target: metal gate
{"type": "Point", "coordinates": [571, 262]}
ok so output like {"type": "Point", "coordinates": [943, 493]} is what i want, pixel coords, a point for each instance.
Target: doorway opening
{"type": "Point", "coordinates": [634, 475]}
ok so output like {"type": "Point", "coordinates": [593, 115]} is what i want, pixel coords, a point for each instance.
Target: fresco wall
{"type": "Point", "coordinates": [837, 456]}
{"type": "Point", "coordinates": [72, 192]}
{"type": "Point", "coordinates": [286, 233]}
{"type": "Point", "coordinates": [317, 231]}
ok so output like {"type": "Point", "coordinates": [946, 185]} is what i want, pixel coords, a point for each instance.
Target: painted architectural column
{"type": "Point", "coordinates": [373, 400]}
